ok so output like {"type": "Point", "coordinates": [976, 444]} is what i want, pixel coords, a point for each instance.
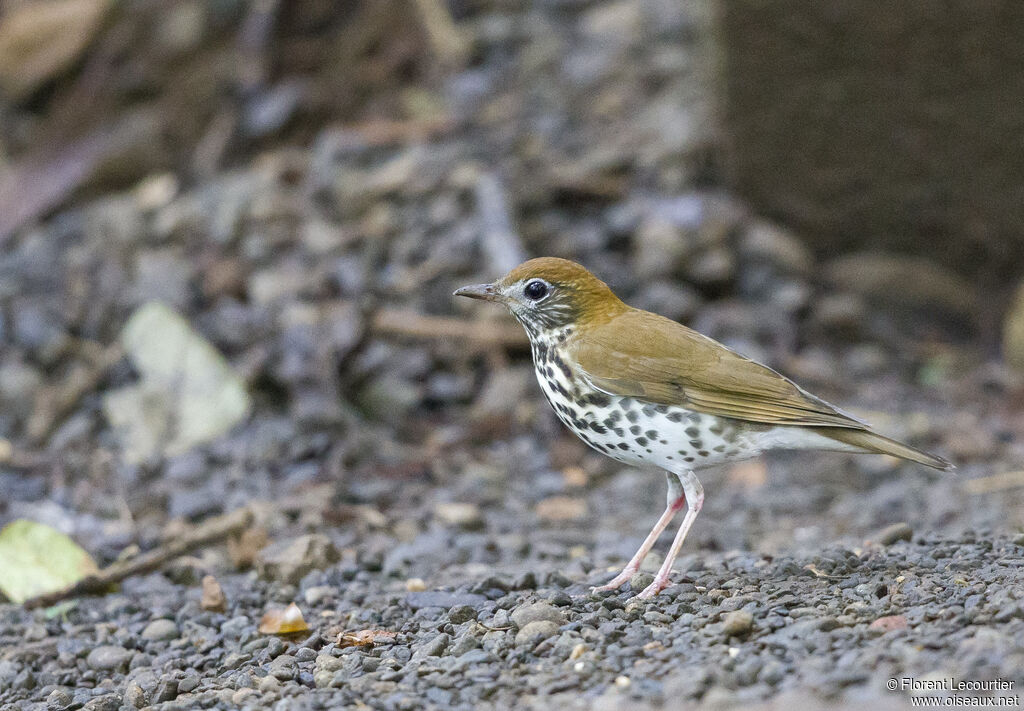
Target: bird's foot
{"type": "Point", "coordinates": [659, 584]}
{"type": "Point", "coordinates": [617, 582]}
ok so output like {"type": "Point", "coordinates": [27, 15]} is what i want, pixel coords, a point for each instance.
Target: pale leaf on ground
{"type": "Point", "coordinates": [36, 559]}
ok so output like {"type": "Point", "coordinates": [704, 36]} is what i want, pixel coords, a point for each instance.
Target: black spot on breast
{"type": "Point", "coordinates": [632, 416]}
{"type": "Point", "coordinates": [696, 443]}
{"type": "Point", "coordinates": [619, 432]}
{"type": "Point", "coordinates": [549, 373]}
{"type": "Point", "coordinates": [635, 429]}
{"type": "Point", "coordinates": [599, 399]}
{"type": "Point", "coordinates": [692, 431]}
{"type": "Point", "coordinates": [557, 359]}
{"type": "Point", "coordinates": [719, 448]}
{"type": "Point", "coordinates": [623, 446]}
{"type": "Point", "coordinates": [641, 441]}
{"type": "Point", "coordinates": [651, 434]}
{"type": "Point", "coordinates": [541, 351]}
{"type": "Point", "coordinates": [675, 416]}
{"type": "Point", "coordinates": [661, 409]}
{"type": "Point", "coordinates": [648, 410]}
{"type": "Point", "coordinates": [600, 429]}
{"type": "Point", "coordinates": [663, 441]}
{"type": "Point", "coordinates": [703, 452]}
{"type": "Point", "coordinates": [717, 428]}
{"type": "Point", "coordinates": [687, 459]}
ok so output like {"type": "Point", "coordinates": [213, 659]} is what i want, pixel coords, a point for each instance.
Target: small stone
{"type": "Point", "coordinates": [243, 695]}
{"type": "Point", "coordinates": [533, 632]}
{"type": "Point", "coordinates": [213, 599]}
{"type": "Point", "coordinates": [737, 623]}
{"type": "Point", "coordinates": [415, 585]}
{"type": "Point", "coordinates": [434, 648]}
{"type": "Point", "coordinates": [896, 532]}
{"type": "Point", "coordinates": [134, 695]}
{"type": "Point", "coordinates": [289, 561]}
{"type": "Point", "coordinates": [166, 690]}
{"type": "Point", "coordinates": [109, 658]}
{"type": "Point", "coordinates": [561, 508]}
{"type": "Point", "coordinates": [623, 682]}
{"type": "Point", "coordinates": [640, 581]}
{"type": "Point", "coordinates": [537, 612]}
{"type": "Point", "coordinates": [269, 683]}
{"type": "Point", "coordinates": [461, 514]}
{"type": "Point", "coordinates": [461, 613]}
{"type": "Point", "coordinates": [188, 684]}
{"type": "Point", "coordinates": [161, 630]}
{"type": "Point", "coordinates": [58, 699]}
{"type": "Point", "coordinates": [889, 623]}
{"type": "Point", "coordinates": [284, 668]}
{"type": "Point", "coordinates": [1013, 331]}
{"type": "Point", "coordinates": [318, 593]}
{"type": "Point", "coordinates": [447, 600]}
{"type": "Point", "coordinates": [105, 702]}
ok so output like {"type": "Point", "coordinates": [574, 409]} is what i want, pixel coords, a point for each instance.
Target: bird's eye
{"type": "Point", "coordinates": [536, 290]}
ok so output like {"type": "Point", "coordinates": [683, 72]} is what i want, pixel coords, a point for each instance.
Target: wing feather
{"type": "Point", "coordinates": [651, 358]}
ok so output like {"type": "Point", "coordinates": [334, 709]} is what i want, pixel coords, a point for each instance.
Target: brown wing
{"type": "Point", "coordinates": [649, 357]}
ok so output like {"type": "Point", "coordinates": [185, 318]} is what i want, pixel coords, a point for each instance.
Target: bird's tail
{"type": "Point", "coordinates": [879, 444]}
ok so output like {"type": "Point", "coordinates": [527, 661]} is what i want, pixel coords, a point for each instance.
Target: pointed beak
{"type": "Point", "coordinates": [484, 292]}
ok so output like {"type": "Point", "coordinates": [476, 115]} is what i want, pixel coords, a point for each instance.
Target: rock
{"type": "Point", "coordinates": [447, 600]}
{"type": "Point", "coordinates": [415, 585]}
{"type": "Point", "coordinates": [737, 623]}
{"type": "Point", "coordinates": [463, 515]}
{"type": "Point", "coordinates": [213, 599]}
{"type": "Point", "coordinates": [537, 612]}
{"type": "Point", "coordinates": [535, 631]}
{"type": "Point", "coordinates": [58, 699]}
{"type": "Point", "coordinates": [461, 613]}
{"type": "Point", "coordinates": [767, 242]}
{"type": "Point", "coordinates": [1013, 331]}
{"type": "Point", "coordinates": [161, 630]}
{"type": "Point", "coordinates": [284, 668]}
{"type": "Point", "coordinates": [288, 561]}
{"type": "Point", "coordinates": [134, 695]}
{"type": "Point", "coordinates": [887, 624]}
{"type": "Point", "coordinates": [109, 657]}
{"type": "Point", "coordinates": [640, 581]}
{"type": "Point", "coordinates": [659, 246]}
{"type": "Point", "coordinates": [893, 533]}
{"type": "Point", "coordinates": [433, 648]}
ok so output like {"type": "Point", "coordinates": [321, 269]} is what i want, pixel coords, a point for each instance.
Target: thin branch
{"type": "Point", "coordinates": [208, 532]}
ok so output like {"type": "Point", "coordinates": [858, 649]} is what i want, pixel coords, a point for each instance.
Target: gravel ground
{"type": "Point", "coordinates": [403, 470]}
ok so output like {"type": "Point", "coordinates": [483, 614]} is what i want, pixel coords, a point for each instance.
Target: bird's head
{"type": "Point", "coordinates": [547, 294]}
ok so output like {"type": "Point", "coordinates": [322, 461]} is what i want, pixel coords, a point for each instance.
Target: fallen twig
{"type": "Point", "coordinates": [208, 532]}
{"type": "Point", "coordinates": [411, 323]}
{"type": "Point", "coordinates": [500, 241]}
{"type": "Point", "coordinates": [446, 41]}
{"type": "Point", "coordinates": [55, 402]}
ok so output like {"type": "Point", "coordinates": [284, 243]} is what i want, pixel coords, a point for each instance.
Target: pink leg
{"type": "Point", "coordinates": [696, 501]}
{"type": "Point", "coordinates": [634, 564]}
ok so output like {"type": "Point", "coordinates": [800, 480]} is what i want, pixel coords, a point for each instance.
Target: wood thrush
{"type": "Point", "coordinates": [647, 391]}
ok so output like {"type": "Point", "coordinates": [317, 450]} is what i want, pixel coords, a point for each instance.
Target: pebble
{"type": "Point", "coordinates": [109, 658]}
{"type": "Point", "coordinates": [537, 612]}
{"type": "Point", "coordinates": [535, 631]}
{"type": "Point", "coordinates": [737, 623]}
{"type": "Point", "coordinates": [160, 630]}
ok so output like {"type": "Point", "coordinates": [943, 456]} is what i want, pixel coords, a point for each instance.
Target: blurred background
{"type": "Point", "coordinates": [230, 230]}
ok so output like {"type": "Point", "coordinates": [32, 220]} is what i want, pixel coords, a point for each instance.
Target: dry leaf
{"type": "Point", "coordinates": [213, 595]}
{"type": "Point", "coordinates": [365, 638]}
{"type": "Point", "coordinates": [36, 559]}
{"type": "Point", "coordinates": [286, 621]}
{"type": "Point", "coordinates": [574, 476]}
